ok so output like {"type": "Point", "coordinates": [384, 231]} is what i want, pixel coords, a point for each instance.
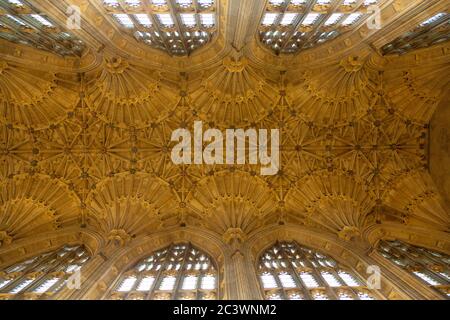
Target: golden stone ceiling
{"type": "Point", "coordinates": [86, 140]}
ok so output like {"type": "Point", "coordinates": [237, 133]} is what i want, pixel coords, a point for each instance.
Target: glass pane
{"type": "Point", "coordinates": [179, 271]}
{"type": "Point", "coordinates": [36, 274]}
{"type": "Point", "coordinates": [303, 273]}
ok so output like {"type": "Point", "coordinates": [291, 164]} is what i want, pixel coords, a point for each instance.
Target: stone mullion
{"type": "Point", "coordinates": [298, 279]}
{"type": "Point", "coordinates": [94, 268]}
{"type": "Point", "coordinates": [40, 261]}
{"type": "Point", "coordinates": [133, 288]}
{"type": "Point", "coordinates": [318, 275]}
{"type": "Point", "coordinates": [153, 287]}
{"type": "Point", "coordinates": [328, 289]}
{"type": "Point", "coordinates": [158, 278]}
{"type": "Point", "coordinates": [14, 283]}
{"type": "Point", "coordinates": [338, 278]}
{"type": "Point", "coordinates": [259, 271]}
{"type": "Point", "coordinates": [321, 21]}
{"type": "Point", "coordinates": [34, 37]}
{"type": "Point", "coordinates": [178, 24]}
{"type": "Point", "coordinates": [275, 274]}
{"type": "Point", "coordinates": [432, 257]}
{"type": "Point", "coordinates": [424, 267]}
{"type": "Point", "coordinates": [201, 275]}
{"type": "Point", "coordinates": [434, 274]}
{"type": "Point", "coordinates": [403, 280]}
{"type": "Point", "coordinates": [160, 275]}
{"type": "Point", "coordinates": [435, 260]}
{"type": "Point", "coordinates": [412, 261]}
{"type": "Point", "coordinates": [64, 280]}
{"type": "Point", "coordinates": [181, 273]}
{"type": "Point", "coordinates": [344, 284]}
{"type": "Point", "coordinates": [59, 284]}
{"type": "Point", "coordinates": [52, 268]}
{"type": "Point", "coordinates": [198, 288]}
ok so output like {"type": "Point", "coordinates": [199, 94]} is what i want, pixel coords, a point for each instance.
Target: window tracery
{"type": "Point", "coordinates": [177, 27]}
{"type": "Point", "coordinates": [429, 266]}
{"type": "Point", "coordinates": [178, 272]}
{"type": "Point", "coordinates": [290, 26]}
{"type": "Point", "coordinates": [434, 30]}
{"type": "Point", "coordinates": [21, 23]}
{"type": "Point", "coordinates": [288, 271]}
{"type": "Point", "coordinates": [42, 276]}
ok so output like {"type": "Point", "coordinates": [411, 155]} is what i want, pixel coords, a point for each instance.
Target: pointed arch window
{"type": "Point", "coordinates": [288, 271]}
{"type": "Point", "coordinates": [21, 22]}
{"type": "Point", "coordinates": [178, 27]}
{"type": "Point", "coordinates": [178, 272]}
{"type": "Point", "coordinates": [430, 266]}
{"type": "Point", "coordinates": [292, 26]}
{"type": "Point", "coordinates": [432, 31]}
{"type": "Point", "coordinates": [42, 276]}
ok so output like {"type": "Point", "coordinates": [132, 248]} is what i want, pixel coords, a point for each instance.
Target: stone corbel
{"type": "Point", "coordinates": [235, 64]}
{"type": "Point", "coordinates": [116, 65]}
{"type": "Point", "coordinates": [349, 233]}
{"type": "Point", "coordinates": [352, 64]}
{"type": "Point", "coordinates": [5, 239]}
{"type": "Point", "coordinates": [119, 237]}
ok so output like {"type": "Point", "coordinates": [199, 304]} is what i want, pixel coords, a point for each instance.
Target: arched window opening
{"type": "Point", "coordinates": [430, 266]}
{"type": "Point", "coordinates": [41, 277]}
{"type": "Point", "coordinates": [179, 272]}
{"type": "Point", "coordinates": [288, 271]}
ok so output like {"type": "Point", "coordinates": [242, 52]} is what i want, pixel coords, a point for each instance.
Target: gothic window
{"type": "Point", "coordinates": [42, 276]}
{"type": "Point", "coordinates": [176, 26]}
{"type": "Point", "coordinates": [288, 271]}
{"type": "Point", "coordinates": [21, 22]}
{"type": "Point", "coordinates": [431, 267]}
{"type": "Point", "coordinates": [290, 26]}
{"type": "Point", "coordinates": [179, 272]}
{"type": "Point", "coordinates": [433, 30]}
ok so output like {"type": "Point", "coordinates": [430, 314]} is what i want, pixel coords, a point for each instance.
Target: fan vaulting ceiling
{"type": "Point", "coordinates": [87, 115]}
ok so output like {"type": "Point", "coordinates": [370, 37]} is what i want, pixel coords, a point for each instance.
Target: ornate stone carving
{"type": "Point", "coordinates": [234, 234]}
{"type": "Point", "coordinates": [127, 95]}
{"type": "Point", "coordinates": [119, 237]}
{"type": "Point", "coordinates": [349, 233]}
{"type": "Point", "coordinates": [116, 65]}
{"type": "Point", "coordinates": [5, 239]}
{"type": "Point", "coordinates": [35, 99]}
{"type": "Point", "coordinates": [3, 66]}
{"type": "Point", "coordinates": [352, 64]}
{"type": "Point", "coordinates": [235, 66]}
